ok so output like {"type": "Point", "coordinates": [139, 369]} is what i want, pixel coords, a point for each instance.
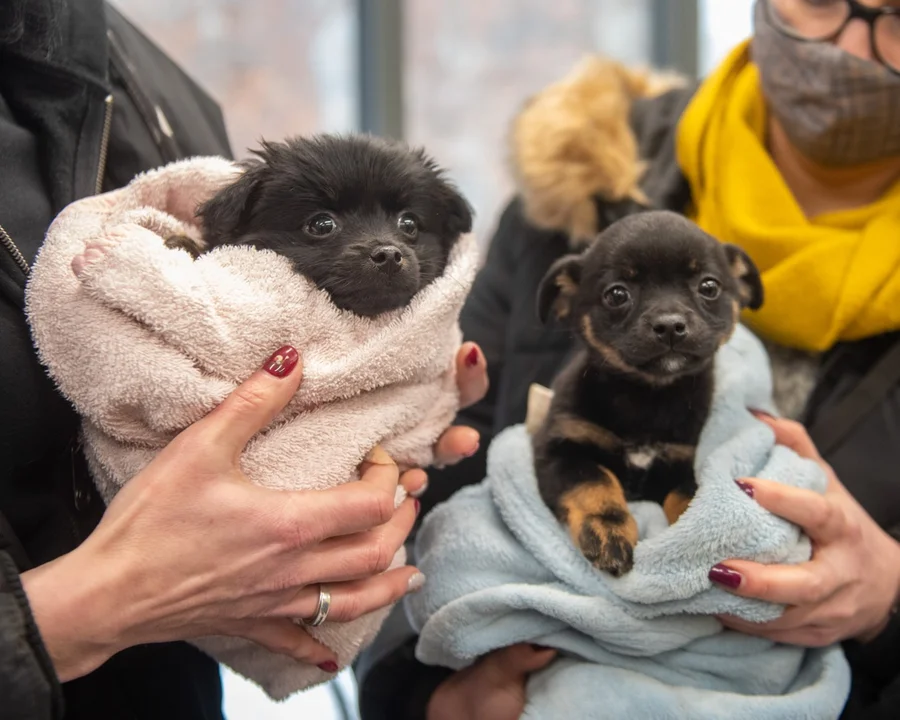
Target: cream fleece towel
{"type": "Point", "coordinates": [144, 340]}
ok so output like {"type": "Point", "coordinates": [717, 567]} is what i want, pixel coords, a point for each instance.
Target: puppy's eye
{"type": "Point", "coordinates": [322, 225]}
{"type": "Point", "coordinates": [616, 296]}
{"type": "Point", "coordinates": [710, 289]}
{"type": "Point", "coordinates": [408, 225]}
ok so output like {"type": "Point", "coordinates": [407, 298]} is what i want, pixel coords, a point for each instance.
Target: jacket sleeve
{"type": "Point", "coordinates": [876, 675]}
{"type": "Point", "coordinates": [28, 684]}
{"type": "Point", "coordinates": [392, 683]}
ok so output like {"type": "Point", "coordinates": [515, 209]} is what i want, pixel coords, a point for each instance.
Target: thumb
{"type": "Point", "coordinates": [254, 404]}
{"type": "Point", "coordinates": [522, 659]}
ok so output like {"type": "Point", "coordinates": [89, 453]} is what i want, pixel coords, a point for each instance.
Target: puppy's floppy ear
{"type": "Point", "coordinates": [744, 270]}
{"type": "Point", "coordinates": [455, 211]}
{"type": "Point", "coordinates": [225, 214]}
{"type": "Point", "coordinates": [559, 287]}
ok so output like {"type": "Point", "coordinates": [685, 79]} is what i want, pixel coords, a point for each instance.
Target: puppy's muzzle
{"type": "Point", "coordinates": [387, 259]}
{"type": "Point", "coordinates": [670, 328]}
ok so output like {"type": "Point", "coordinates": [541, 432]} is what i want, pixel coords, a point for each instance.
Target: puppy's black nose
{"type": "Point", "coordinates": [670, 328]}
{"type": "Point", "coordinates": [387, 258]}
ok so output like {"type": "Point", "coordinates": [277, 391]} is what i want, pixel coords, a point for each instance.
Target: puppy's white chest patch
{"type": "Point", "coordinates": [641, 457]}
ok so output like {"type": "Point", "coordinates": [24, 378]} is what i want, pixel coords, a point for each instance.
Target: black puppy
{"type": "Point", "coordinates": [653, 298]}
{"type": "Point", "coordinates": [368, 220]}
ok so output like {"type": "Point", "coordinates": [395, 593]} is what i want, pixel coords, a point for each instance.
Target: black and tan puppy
{"type": "Point", "coordinates": [653, 299]}
{"type": "Point", "coordinates": [368, 220]}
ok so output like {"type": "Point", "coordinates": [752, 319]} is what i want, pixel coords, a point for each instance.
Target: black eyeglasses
{"type": "Point", "coordinates": [825, 20]}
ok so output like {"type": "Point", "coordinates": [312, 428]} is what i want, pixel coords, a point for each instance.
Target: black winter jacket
{"type": "Point", "coordinates": [62, 138]}
{"type": "Point", "coordinates": [500, 315]}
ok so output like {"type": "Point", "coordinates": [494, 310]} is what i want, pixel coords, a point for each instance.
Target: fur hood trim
{"type": "Point", "coordinates": [573, 143]}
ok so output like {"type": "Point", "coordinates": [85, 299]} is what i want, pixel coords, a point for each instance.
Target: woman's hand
{"type": "Point", "coordinates": [850, 586]}
{"type": "Point", "coordinates": [491, 689]}
{"type": "Point", "coordinates": [471, 373]}
{"type": "Point", "coordinates": [190, 548]}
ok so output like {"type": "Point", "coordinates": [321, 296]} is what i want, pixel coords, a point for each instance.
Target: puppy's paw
{"type": "Point", "coordinates": [184, 242]}
{"type": "Point", "coordinates": [94, 251]}
{"type": "Point", "coordinates": [607, 548]}
{"type": "Point", "coordinates": [600, 523]}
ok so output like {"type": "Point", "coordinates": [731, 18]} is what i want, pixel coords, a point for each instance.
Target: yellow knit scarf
{"type": "Point", "coordinates": [834, 277]}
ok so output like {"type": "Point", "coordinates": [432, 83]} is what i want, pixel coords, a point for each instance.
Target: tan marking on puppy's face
{"type": "Point", "coordinates": [694, 265]}
{"type": "Point", "coordinates": [600, 523]}
{"type": "Point", "coordinates": [568, 427]}
{"type": "Point", "coordinates": [612, 357]}
{"type": "Point", "coordinates": [674, 505]}
{"type": "Point", "coordinates": [735, 321]}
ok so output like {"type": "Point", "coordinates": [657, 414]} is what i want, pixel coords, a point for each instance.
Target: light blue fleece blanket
{"type": "Point", "coordinates": [501, 570]}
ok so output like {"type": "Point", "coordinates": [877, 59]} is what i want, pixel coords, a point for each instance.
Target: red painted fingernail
{"type": "Point", "coordinates": [418, 505]}
{"type": "Point", "coordinates": [282, 362]}
{"type": "Point", "coordinates": [472, 358]}
{"type": "Point", "coordinates": [722, 575]}
{"type": "Point", "coordinates": [762, 414]}
{"type": "Point", "coordinates": [745, 486]}
{"type": "Point", "coordinates": [329, 667]}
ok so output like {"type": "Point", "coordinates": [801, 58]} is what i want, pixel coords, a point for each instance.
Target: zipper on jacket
{"type": "Point", "coordinates": [5, 238]}
{"type": "Point", "coordinates": [104, 143]}
{"type": "Point", "coordinates": [11, 248]}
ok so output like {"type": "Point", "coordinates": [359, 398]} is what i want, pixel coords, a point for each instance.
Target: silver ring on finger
{"type": "Point", "coordinates": [321, 609]}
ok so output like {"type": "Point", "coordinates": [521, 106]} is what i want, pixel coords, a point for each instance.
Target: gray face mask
{"type": "Point", "coordinates": [836, 109]}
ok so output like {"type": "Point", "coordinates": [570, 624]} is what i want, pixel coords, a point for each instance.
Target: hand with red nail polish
{"type": "Point", "coordinates": [460, 442]}
{"type": "Point", "coordinates": [190, 548]}
{"type": "Point", "coordinates": [849, 588]}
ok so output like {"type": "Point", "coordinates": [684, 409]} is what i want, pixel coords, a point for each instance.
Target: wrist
{"type": "Point", "coordinates": [75, 613]}
{"type": "Point", "coordinates": [894, 606]}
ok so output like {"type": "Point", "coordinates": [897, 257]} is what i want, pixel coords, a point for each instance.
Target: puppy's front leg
{"type": "Point", "coordinates": [681, 474]}
{"type": "Point", "coordinates": [675, 504]}
{"type": "Point", "coordinates": [600, 523]}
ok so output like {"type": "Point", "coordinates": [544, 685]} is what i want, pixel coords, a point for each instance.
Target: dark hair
{"type": "Point", "coordinates": [31, 27]}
